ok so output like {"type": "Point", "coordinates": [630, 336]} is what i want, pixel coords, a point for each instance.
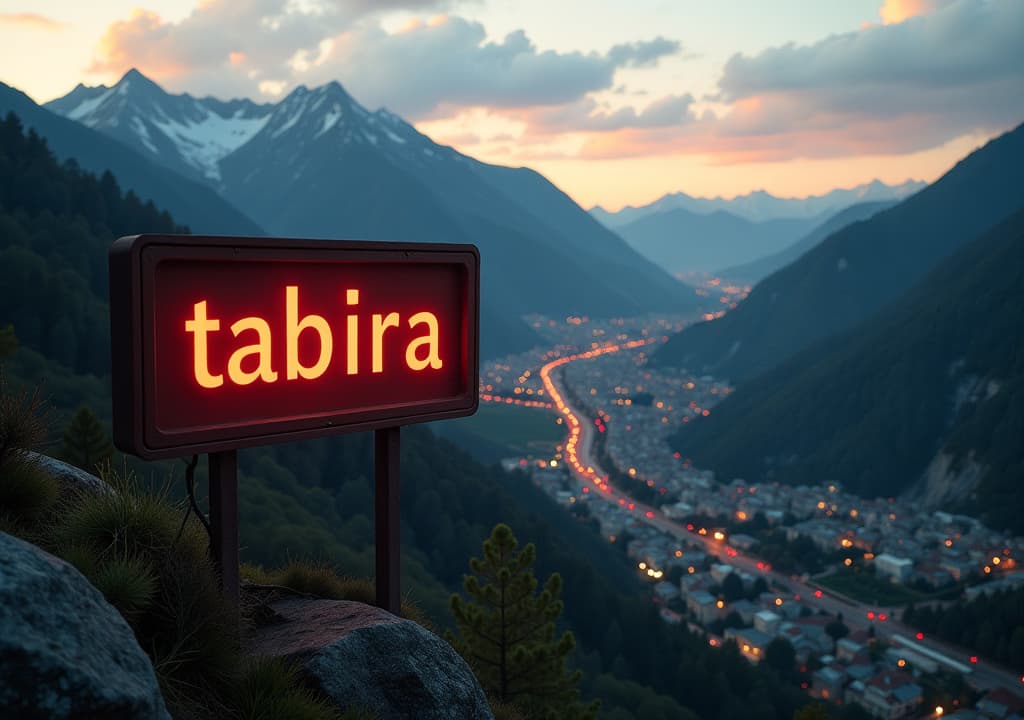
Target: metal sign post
{"type": "Point", "coordinates": [224, 520]}
{"type": "Point", "coordinates": [388, 525]}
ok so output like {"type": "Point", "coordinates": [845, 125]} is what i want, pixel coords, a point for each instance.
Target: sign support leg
{"type": "Point", "coordinates": [387, 527]}
{"type": "Point", "coordinates": [224, 520]}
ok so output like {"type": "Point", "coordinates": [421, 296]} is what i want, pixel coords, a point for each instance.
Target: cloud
{"type": "Point", "coordinates": [643, 54]}
{"type": "Point", "coordinates": [450, 64]}
{"type": "Point", "coordinates": [232, 47]}
{"type": "Point", "coordinates": [248, 46]}
{"type": "Point", "coordinates": [34, 21]}
{"type": "Point", "coordinates": [884, 89]}
{"type": "Point", "coordinates": [586, 115]}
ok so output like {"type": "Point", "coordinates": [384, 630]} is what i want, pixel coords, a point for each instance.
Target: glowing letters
{"type": "Point", "coordinates": [421, 352]}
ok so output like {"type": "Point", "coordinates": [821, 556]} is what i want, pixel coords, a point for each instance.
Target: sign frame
{"type": "Point", "coordinates": [132, 263]}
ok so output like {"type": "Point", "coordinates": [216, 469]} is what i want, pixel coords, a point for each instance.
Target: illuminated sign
{"type": "Point", "coordinates": [220, 342]}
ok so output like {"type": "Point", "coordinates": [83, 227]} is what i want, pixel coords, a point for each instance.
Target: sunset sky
{"type": "Point", "coordinates": [616, 102]}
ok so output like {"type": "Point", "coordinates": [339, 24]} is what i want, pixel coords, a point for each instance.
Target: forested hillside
{"type": "Point", "coordinates": [56, 223]}
{"type": "Point", "coordinates": [752, 272]}
{"type": "Point", "coordinates": [940, 372]}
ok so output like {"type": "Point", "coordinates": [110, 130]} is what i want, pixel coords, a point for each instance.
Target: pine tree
{"type": "Point", "coordinates": [86, 444]}
{"type": "Point", "coordinates": [507, 632]}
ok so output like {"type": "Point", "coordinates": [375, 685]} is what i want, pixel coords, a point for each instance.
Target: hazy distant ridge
{"type": "Point", "coordinates": [760, 205]}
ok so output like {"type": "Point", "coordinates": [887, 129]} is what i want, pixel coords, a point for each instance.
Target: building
{"type": "Point", "coordinates": [752, 643]}
{"type": "Point", "coordinates": [666, 591]}
{"type": "Point", "coordinates": [704, 606]}
{"type": "Point", "coordinates": [847, 649]}
{"type": "Point", "coordinates": [1001, 704]}
{"type": "Point", "coordinates": [767, 622]}
{"type": "Point", "coordinates": [745, 609]}
{"type": "Point", "coordinates": [827, 683]}
{"type": "Point", "coordinates": [891, 695]}
{"type": "Point", "coordinates": [720, 572]}
{"type": "Point", "coordinates": [896, 569]}
{"type": "Point", "coordinates": [670, 616]}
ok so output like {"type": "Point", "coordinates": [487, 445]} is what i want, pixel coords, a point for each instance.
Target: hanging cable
{"type": "Point", "coordinates": [193, 506]}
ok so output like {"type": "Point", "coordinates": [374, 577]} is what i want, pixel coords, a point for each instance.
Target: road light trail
{"type": "Point", "coordinates": [577, 453]}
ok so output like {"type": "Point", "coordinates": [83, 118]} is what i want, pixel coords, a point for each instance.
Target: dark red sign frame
{"type": "Point", "coordinates": [133, 266]}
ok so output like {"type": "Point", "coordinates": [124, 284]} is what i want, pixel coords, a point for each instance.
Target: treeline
{"type": "Point", "coordinates": [992, 624]}
{"type": "Point", "coordinates": [314, 500]}
{"type": "Point", "coordinates": [56, 224]}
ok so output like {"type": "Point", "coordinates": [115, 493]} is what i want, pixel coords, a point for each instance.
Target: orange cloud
{"type": "Point", "coordinates": [34, 21]}
{"type": "Point", "coordinates": [132, 43]}
{"type": "Point", "coordinates": [896, 11]}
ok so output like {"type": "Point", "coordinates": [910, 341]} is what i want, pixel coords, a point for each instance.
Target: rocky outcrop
{"type": "Point", "coordinates": [363, 657]}
{"type": "Point", "coordinates": [72, 479]}
{"type": "Point", "coordinates": [947, 482]}
{"type": "Point", "coordinates": [65, 653]}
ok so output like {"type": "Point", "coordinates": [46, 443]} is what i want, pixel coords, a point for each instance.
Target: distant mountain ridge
{"type": "Point", "coordinates": [856, 270]}
{"type": "Point", "coordinates": [760, 205]}
{"type": "Point", "coordinates": [682, 241]}
{"type": "Point", "coordinates": [319, 164]}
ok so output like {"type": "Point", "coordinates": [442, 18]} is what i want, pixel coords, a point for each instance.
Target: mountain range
{"type": "Point", "coordinates": [319, 164]}
{"type": "Point", "coordinates": [759, 205]}
{"type": "Point", "coordinates": [855, 271]}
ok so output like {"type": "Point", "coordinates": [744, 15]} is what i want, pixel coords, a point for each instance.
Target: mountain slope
{"type": "Point", "coordinates": [934, 381]}
{"type": "Point", "coordinates": [190, 202]}
{"type": "Point", "coordinates": [753, 271]}
{"type": "Point", "coordinates": [682, 241]}
{"type": "Point", "coordinates": [856, 270]}
{"type": "Point", "coordinates": [760, 205]}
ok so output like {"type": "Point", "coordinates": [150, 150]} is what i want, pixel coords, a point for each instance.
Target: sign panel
{"type": "Point", "coordinates": [220, 342]}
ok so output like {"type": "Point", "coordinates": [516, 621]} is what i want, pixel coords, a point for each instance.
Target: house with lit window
{"type": "Point", "coordinates": [751, 642]}
{"type": "Point", "coordinates": [827, 683]}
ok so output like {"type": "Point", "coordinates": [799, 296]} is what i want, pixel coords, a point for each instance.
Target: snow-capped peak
{"type": "Point", "coordinates": [178, 129]}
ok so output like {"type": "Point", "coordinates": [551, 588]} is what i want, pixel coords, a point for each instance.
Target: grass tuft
{"type": "Point", "coordinates": [128, 543]}
{"type": "Point", "coordinates": [269, 689]}
{"type": "Point", "coordinates": [127, 583]}
{"type": "Point", "coordinates": [27, 492]}
{"type": "Point", "coordinates": [24, 419]}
